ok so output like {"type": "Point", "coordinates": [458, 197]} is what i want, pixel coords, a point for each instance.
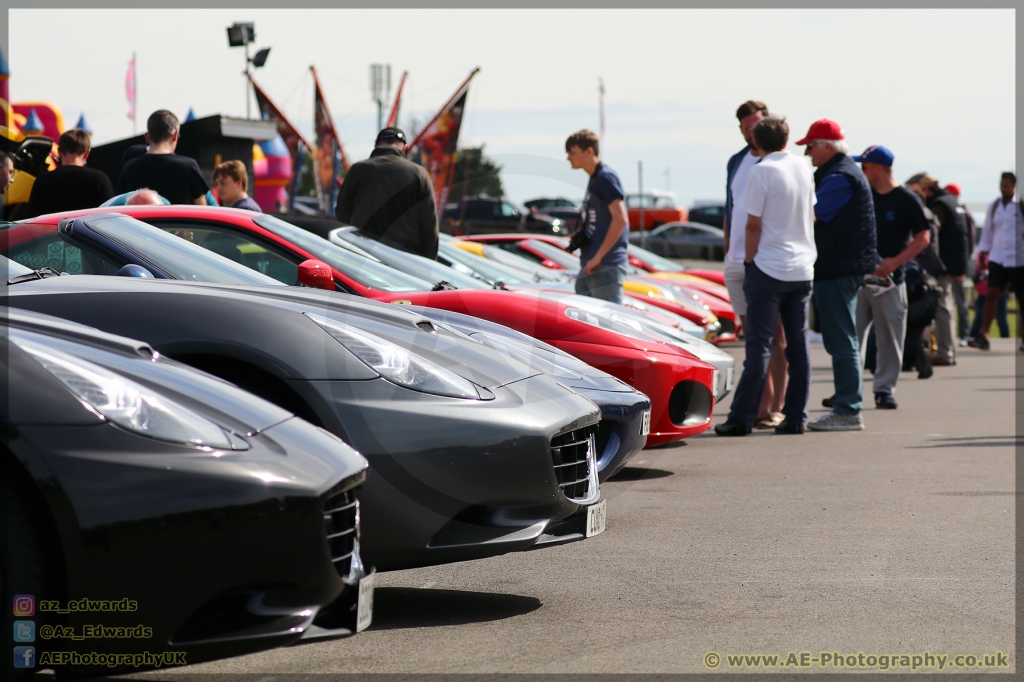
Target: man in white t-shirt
{"type": "Point", "coordinates": [769, 414]}
{"type": "Point", "coordinates": [779, 255]}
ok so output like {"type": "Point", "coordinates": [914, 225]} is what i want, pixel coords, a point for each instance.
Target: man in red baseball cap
{"type": "Point", "coordinates": [844, 234]}
{"type": "Point", "coordinates": [959, 295]}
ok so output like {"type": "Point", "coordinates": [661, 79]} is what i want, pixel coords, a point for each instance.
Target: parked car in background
{"type": "Point", "coordinates": [645, 260]}
{"type": "Point", "coordinates": [566, 210]}
{"type": "Point", "coordinates": [131, 477]}
{"type": "Point", "coordinates": [659, 208]}
{"type": "Point", "coordinates": [683, 240]}
{"type": "Point", "coordinates": [482, 214]}
{"type": "Point", "coordinates": [708, 212]}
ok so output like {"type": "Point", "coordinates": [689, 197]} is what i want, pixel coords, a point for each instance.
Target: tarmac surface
{"type": "Point", "coordinates": [898, 539]}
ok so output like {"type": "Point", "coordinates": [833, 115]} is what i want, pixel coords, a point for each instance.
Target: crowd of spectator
{"type": "Point", "coordinates": [880, 267]}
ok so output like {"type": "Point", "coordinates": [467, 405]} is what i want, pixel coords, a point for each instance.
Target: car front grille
{"type": "Point", "coordinates": [573, 455]}
{"type": "Point", "coordinates": [341, 521]}
{"type": "Point", "coordinates": [728, 326]}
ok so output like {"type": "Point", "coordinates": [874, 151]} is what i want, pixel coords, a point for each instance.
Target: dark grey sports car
{"type": "Point", "coordinates": [682, 240]}
{"type": "Point", "coordinates": [214, 522]}
{"type": "Point", "coordinates": [472, 453]}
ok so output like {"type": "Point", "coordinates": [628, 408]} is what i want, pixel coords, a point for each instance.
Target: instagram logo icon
{"type": "Point", "coordinates": [24, 605]}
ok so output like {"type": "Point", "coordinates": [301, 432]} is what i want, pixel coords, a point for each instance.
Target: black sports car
{"type": "Point", "coordinates": [154, 515]}
{"type": "Point", "coordinates": [472, 453]}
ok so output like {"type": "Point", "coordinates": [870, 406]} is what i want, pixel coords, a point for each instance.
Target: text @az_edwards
{"type": "Point", "coordinates": [95, 632]}
{"type": "Point", "coordinates": [86, 605]}
{"type": "Point", "coordinates": [144, 660]}
{"type": "Point", "coordinates": [835, 659]}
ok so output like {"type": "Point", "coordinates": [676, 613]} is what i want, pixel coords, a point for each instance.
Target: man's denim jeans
{"type": "Point", "coordinates": [836, 299]}
{"type": "Point", "coordinates": [768, 299]}
{"type": "Point", "coordinates": [605, 283]}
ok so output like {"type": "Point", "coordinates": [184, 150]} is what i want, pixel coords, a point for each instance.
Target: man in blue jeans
{"type": "Point", "coordinates": [604, 233]}
{"type": "Point", "coordinates": [844, 234]}
{"type": "Point", "coordinates": [779, 256]}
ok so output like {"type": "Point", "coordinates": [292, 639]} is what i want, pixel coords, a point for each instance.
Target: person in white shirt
{"type": "Point", "coordinates": [769, 413]}
{"type": "Point", "coordinates": [779, 255]}
{"type": "Point", "coordinates": [1002, 251]}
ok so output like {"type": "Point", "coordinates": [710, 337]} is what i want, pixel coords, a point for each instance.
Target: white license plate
{"type": "Point", "coordinates": [364, 612]}
{"type": "Point", "coordinates": [597, 516]}
{"type": "Point", "coordinates": [645, 423]}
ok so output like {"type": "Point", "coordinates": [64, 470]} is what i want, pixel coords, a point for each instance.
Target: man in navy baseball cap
{"type": "Point", "coordinates": [876, 154]}
{"type": "Point", "coordinates": [902, 231]}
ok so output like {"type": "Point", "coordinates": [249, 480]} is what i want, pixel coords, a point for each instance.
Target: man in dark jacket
{"type": "Point", "coordinates": [955, 251]}
{"type": "Point", "coordinates": [844, 234]}
{"type": "Point", "coordinates": [390, 198]}
{"type": "Point", "coordinates": [73, 185]}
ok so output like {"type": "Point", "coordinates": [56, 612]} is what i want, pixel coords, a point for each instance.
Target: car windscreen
{"type": "Point", "coordinates": [10, 269]}
{"type": "Point", "coordinates": [552, 252]}
{"type": "Point", "coordinates": [363, 270]}
{"type": "Point", "coordinates": [178, 257]}
{"type": "Point", "coordinates": [490, 270]}
{"type": "Point", "coordinates": [654, 260]}
{"type": "Point", "coordinates": [410, 263]}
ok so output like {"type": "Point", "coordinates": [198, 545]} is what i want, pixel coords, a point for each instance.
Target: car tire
{"type": "Point", "coordinates": [24, 568]}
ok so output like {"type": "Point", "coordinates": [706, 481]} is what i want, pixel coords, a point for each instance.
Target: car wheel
{"type": "Point", "coordinates": [24, 568]}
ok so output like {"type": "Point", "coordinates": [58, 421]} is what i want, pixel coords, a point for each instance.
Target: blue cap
{"type": "Point", "coordinates": [876, 154]}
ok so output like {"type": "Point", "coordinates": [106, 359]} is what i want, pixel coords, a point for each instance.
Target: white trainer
{"type": "Point", "coordinates": [838, 422]}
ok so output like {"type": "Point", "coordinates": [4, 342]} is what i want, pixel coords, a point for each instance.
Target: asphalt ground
{"type": "Point", "coordinates": [898, 539]}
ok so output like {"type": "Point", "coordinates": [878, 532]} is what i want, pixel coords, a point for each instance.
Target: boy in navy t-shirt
{"type": "Point", "coordinates": [605, 225]}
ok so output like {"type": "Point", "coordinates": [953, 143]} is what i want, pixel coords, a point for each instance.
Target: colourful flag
{"type": "Point", "coordinates": [129, 87]}
{"type": "Point", "coordinates": [292, 138]}
{"type": "Point", "coordinates": [434, 148]}
{"type": "Point", "coordinates": [330, 155]}
{"type": "Point", "coordinates": [393, 116]}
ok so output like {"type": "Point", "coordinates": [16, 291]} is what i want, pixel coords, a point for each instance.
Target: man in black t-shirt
{"type": "Point", "coordinates": [73, 185]}
{"type": "Point", "coordinates": [901, 233]}
{"type": "Point", "coordinates": [175, 177]}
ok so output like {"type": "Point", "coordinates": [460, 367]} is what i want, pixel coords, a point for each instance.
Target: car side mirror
{"type": "Point", "coordinates": [316, 274]}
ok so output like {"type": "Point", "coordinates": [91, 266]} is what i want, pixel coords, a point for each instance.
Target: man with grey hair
{"type": "Point", "coordinates": [143, 197]}
{"type": "Point", "coordinates": [844, 234]}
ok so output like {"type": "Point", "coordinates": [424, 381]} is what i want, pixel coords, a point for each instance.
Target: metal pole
{"type": "Point", "coordinates": [248, 112]}
{"type": "Point", "coordinates": [640, 172]}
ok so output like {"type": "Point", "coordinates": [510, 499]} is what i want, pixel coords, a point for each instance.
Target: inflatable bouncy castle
{"type": "Point", "coordinates": [272, 170]}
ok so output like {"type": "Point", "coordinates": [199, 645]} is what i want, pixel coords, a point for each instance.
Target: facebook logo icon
{"type": "Point", "coordinates": [24, 657]}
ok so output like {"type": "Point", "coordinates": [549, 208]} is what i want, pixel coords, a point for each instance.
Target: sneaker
{"type": "Point", "coordinates": [940, 361]}
{"type": "Point", "coordinates": [789, 428]}
{"type": "Point", "coordinates": [979, 342]}
{"type": "Point", "coordinates": [838, 422]}
{"type": "Point", "coordinates": [885, 401]}
{"type": "Point", "coordinates": [829, 402]}
{"type": "Point", "coordinates": [728, 428]}
{"type": "Point", "coordinates": [963, 342]}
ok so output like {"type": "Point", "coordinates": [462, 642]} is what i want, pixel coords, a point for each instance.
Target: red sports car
{"type": "Point", "coordinates": [678, 384]}
{"type": "Point", "coordinates": [684, 294]}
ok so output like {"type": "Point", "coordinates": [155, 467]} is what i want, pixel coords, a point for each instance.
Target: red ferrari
{"type": "Point", "coordinates": [678, 384]}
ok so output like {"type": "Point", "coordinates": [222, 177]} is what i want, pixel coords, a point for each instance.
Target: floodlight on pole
{"type": "Point", "coordinates": [243, 34]}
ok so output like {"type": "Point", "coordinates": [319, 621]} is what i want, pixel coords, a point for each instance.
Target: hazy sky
{"type": "Point", "coordinates": [935, 86]}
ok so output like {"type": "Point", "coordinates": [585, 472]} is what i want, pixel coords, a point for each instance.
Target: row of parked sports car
{"type": "Point", "coordinates": [191, 430]}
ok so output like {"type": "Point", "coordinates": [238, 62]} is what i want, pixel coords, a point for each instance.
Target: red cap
{"type": "Point", "coordinates": [953, 189]}
{"type": "Point", "coordinates": [823, 129]}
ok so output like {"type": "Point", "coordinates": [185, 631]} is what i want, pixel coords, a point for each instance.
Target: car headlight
{"type": "Point", "coordinates": [128, 404]}
{"type": "Point", "coordinates": [396, 364]}
{"type": "Point", "coordinates": [526, 355]}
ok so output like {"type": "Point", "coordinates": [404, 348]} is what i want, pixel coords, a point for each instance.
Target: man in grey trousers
{"type": "Point", "coordinates": [902, 232]}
